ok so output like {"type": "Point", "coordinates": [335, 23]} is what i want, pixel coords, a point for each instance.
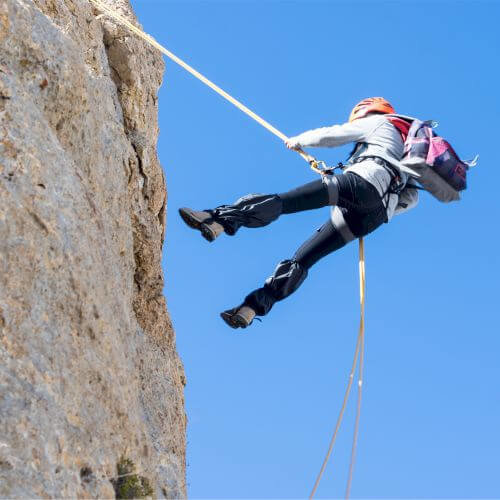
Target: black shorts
{"type": "Point", "coordinates": [360, 204]}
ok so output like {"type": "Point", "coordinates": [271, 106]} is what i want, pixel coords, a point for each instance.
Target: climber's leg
{"type": "Point", "coordinates": [288, 275]}
{"type": "Point", "coordinates": [315, 194]}
{"type": "Point", "coordinates": [258, 210]}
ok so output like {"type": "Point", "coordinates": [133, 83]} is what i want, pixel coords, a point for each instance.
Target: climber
{"type": "Point", "coordinates": [372, 188]}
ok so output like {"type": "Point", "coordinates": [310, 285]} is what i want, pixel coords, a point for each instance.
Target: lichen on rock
{"type": "Point", "coordinates": [129, 484]}
{"type": "Point", "coordinates": [88, 367]}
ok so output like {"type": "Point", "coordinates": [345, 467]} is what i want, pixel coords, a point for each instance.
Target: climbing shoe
{"type": "Point", "coordinates": [203, 222]}
{"type": "Point", "coordinates": [238, 317]}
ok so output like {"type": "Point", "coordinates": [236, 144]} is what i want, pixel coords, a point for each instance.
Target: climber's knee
{"type": "Point", "coordinates": [287, 277]}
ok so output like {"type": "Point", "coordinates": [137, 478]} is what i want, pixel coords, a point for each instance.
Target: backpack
{"type": "Point", "coordinates": [433, 162]}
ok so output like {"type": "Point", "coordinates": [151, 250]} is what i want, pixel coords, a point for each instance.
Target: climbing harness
{"type": "Point", "coordinates": [317, 166]}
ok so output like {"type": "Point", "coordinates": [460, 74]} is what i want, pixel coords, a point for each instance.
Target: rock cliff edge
{"type": "Point", "coordinates": [91, 386]}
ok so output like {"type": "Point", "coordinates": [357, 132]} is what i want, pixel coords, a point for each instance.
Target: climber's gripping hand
{"type": "Point", "coordinates": [292, 143]}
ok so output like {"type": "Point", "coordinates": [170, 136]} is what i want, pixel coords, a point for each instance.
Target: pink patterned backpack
{"type": "Point", "coordinates": [434, 163]}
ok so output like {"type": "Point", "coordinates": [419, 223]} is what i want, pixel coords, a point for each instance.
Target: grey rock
{"type": "Point", "coordinates": [88, 366]}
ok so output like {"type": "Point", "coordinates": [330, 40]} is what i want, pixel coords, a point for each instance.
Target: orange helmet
{"type": "Point", "coordinates": [370, 105]}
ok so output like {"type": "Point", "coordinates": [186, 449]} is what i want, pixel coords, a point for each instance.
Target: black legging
{"type": "Point", "coordinates": [361, 208]}
{"type": "Point", "coordinates": [290, 274]}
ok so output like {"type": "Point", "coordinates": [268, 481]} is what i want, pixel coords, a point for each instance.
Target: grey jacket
{"type": "Point", "coordinates": [378, 138]}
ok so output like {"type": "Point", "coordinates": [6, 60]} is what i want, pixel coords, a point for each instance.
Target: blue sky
{"type": "Point", "coordinates": [262, 404]}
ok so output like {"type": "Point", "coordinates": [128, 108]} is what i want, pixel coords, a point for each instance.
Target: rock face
{"type": "Point", "coordinates": [89, 375]}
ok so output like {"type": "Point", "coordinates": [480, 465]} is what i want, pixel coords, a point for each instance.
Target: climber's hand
{"type": "Point", "coordinates": [292, 143]}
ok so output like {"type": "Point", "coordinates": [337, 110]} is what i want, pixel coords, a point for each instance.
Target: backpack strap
{"type": "Point", "coordinates": [401, 124]}
{"type": "Point", "coordinates": [414, 186]}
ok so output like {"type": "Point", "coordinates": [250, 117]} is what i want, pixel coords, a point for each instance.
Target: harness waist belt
{"type": "Point", "coordinates": [393, 171]}
{"type": "Point", "coordinates": [397, 184]}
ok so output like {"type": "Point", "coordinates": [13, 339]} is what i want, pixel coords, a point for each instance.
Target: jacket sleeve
{"type": "Point", "coordinates": [330, 137]}
{"type": "Point", "coordinates": [408, 198]}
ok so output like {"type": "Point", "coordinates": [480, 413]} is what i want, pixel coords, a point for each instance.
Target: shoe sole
{"type": "Point", "coordinates": [233, 320]}
{"type": "Point", "coordinates": [194, 223]}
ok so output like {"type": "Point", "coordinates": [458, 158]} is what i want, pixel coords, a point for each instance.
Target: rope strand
{"type": "Point", "coordinates": [361, 364]}
{"type": "Point", "coordinates": [359, 352]}
{"type": "Point", "coordinates": [339, 421]}
{"type": "Point", "coordinates": [149, 39]}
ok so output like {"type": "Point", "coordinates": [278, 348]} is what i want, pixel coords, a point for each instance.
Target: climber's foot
{"type": "Point", "coordinates": [238, 317]}
{"type": "Point", "coordinates": [203, 222]}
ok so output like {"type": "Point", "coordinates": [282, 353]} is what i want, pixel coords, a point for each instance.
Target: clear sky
{"type": "Point", "coordinates": [262, 404]}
